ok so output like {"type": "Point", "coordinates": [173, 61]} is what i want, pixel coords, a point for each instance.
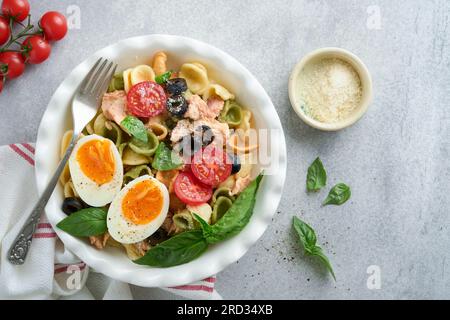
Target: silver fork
{"type": "Point", "coordinates": [84, 107]}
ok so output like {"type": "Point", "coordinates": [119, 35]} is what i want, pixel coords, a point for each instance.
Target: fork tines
{"type": "Point", "coordinates": [98, 78]}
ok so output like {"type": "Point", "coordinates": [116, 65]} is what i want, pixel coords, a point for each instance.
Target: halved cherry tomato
{"type": "Point", "coordinates": [189, 190]}
{"type": "Point", "coordinates": [39, 49]}
{"type": "Point", "coordinates": [5, 32]}
{"type": "Point", "coordinates": [146, 99]}
{"type": "Point", "coordinates": [15, 62]}
{"type": "Point", "coordinates": [54, 25]}
{"type": "Point", "coordinates": [211, 165]}
{"type": "Point", "coordinates": [17, 9]}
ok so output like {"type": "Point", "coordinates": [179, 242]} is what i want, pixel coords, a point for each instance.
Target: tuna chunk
{"type": "Point", "coordinates": [198, 109]}
{"type": "Point", "coordinates": [183, 128]}
{"type": "Point", "coordinates": [215, 106]}
{"type": "Point", "coordinates": [99, 242]}
{"type": "Point", "coordinates": [240, 184]}
{"type": "Point", "coordinates": [220, 130]}
{"type": "Point", "coordinates": [114, 106]}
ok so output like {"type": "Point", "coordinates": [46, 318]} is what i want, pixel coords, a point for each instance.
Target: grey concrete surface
{"type": "Point", "coordinates": [396, 159]}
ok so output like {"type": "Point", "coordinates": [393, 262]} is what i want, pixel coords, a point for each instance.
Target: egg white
{"type": "Point", "coordinates": [125, 231]}
{"type": "Point", "coordinates": [88, 190]}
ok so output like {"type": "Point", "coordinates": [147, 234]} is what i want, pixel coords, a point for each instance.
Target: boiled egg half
{"type": "Point", "coordinates": [96, 170]}
{"type": "Point", "coordinates": [138, 210]}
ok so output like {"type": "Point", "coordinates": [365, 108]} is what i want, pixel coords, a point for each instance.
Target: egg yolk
{"type": "Point", "coordinates": [97, 161]}
{"type": "Point", "coordinates": [142, 203]}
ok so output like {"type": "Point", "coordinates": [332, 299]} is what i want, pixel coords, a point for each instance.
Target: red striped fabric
{"type": "Point", "coordinates": [44, 226]}
{"type": "Point", "coordinates": [44, 235]}
{"type": "Point", "coordinates": [63, 268]}
{"type": "Point", "coordinates": [194, 287]}
{"type": "Point", "coordinates": [21, 153]}
{"type": "Point", "coordinates": [29, 147]}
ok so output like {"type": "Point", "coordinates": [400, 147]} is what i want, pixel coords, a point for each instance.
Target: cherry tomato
{"type": "Point", "coordinates": [5, 32]}
{"type": "Point", "coordinates": [2, 80]}
{"type": "Point", "coordinates": [189, 190]}
{"type": "Point", "coordinates": [211, 165]}
{"type": "Point", "coordinates": [15, 62]}
{"type": "Point", "coordinates": [39, 49]}
{"type": "Point", "coordinates": [54, 25]}
{"type": "Point", "coordinates": [17, 9]}
{"type": "Point", "coordinates": [146, 99]}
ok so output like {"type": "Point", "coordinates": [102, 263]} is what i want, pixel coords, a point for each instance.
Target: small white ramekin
{"type": "Point", "coordinates": [361, 69]}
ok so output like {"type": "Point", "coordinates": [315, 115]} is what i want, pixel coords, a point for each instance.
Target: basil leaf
{"type": "Point", "coordinates": [179, 249]}
{"type": "Point", "coordinates": [306, 234]}
{"type": "Point", "coordinates": [318, 252]}
{"type": "Point", "coordinates": [85, 223]}
{"type": "Point", "coordinates": [237, 217]}
{"type": "Point", "coordinates": [162, 78]}
{"type": "Point", "coordinates": [317, 176]}
{"type": "Point", "coordinates": [135, 127]}
{"type": "Point", "coordinates": [165, 159]}
{"type": "Point", "coordinates": [338, 195]}
{"type": "Point", "coordinates": [308, 238]}
{"type": "Point", "coordinates": [206, 228]}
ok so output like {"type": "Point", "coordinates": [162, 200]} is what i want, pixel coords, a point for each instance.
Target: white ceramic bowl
{"type": "Point", "coordinates": [361, 69]}
{"type": "Point", "coordinates": [227, 71]}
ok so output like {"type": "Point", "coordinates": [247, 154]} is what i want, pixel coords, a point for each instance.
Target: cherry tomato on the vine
{"type": "Point", "coordinates": [17, 9]}
{"type": "Point", "coordinates": [54, 25]}
{"type": "Point", "coordinates": [5, 32]}
{"type": "Point", "coordinates": [38, 49]}
{"type": "Point", "coordinates": [15, 62]}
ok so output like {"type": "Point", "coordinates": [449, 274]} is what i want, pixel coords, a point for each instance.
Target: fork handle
{"type": "Point", "coordinates": [21, 245]}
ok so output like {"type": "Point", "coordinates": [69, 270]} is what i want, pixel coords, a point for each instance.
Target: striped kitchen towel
{"type": "Point", "coordinates": [50, 271]}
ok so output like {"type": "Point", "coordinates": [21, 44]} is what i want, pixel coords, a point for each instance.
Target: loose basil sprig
{"type": "Point", "coordinates": [338, 195]}
{"type": "Point", "coordinates": [317, 176]}
{"type": "Point", "coordinates": [187, 246]}
{"type": "Point", "coordinates": [308, 239]}
{"type": "Point", "coordinates": [85, 222]}
{"type": "Point", "coordinates": [165, 159]}
{"type": "Point", "coordinates": [162, 78]}
{"type": "Point", "coordinates": [135, 127]}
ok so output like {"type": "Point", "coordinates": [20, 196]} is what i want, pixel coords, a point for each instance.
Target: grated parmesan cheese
{"type": "Point", "coordinates": [329, 90]}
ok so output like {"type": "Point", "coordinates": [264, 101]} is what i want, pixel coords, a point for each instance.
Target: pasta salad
{"type": "Point", "coordinates": [165, 167]}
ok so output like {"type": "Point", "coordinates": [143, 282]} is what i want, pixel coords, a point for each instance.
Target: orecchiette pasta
{"type": "Point", "coordinates": [231, 114]}
{"type": "Point", "coordinates": [135, 172]}
{"type": "Point", "coordinates": [127, 80]}
{"type": "Point", "coordinates": [107, 129]}
{"type": "Point", "coordinates": [196, 76]}
{"type": "Point", "coordinates": [132, 251]}
{"type": "Point", "coordinates": [145, 148]}
{"type": "Point", "coordinates": [65, 141]}
{"type": "Point", "coordinates": [222, 192]}
{"type": "Point", "coordinates": [204, 211]}
{"type": "Point", "coordinates": [167, 178]}
{"type": "Point", "coordinates": [243, 141]}
{"type": "Point", "coordinates": [228, 183]}
{"type": "Point", "coordinates": [221, 206]}
{"type": "Point", "coordinates": [69, 190]}
{"type": "Point", "coordinates": [159, 130]}
{"type": "Point", "coordinates": [247, 162]}
{"type": "Point", "coordinates": [217, 90]}
{"type": "Point", "coordinates": [131, 158]}
{"type": "Point", "coordinates": [184, 220]}
{"type": "Point", "coordinates": [142, 73]}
